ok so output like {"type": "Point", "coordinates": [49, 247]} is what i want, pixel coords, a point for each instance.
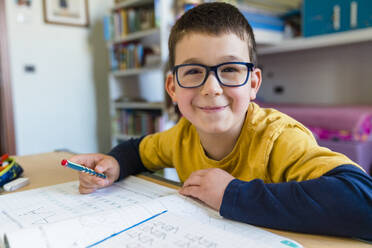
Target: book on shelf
{"type": "Point", "coordinates": [272, 20]}
{"type": "Point", "coordinates": [268, 26]}
{"type": "Point", "coordinates": [264, 20]}
{"type": "Point", "coordinates": [108, 31]}
{"type": "Point", "coordinates": [131, 213]}
{"type": "Point", "coordinates": [276, 7]}
{"type": "Point", "coordinates": [113, 62]}
{"type": "Point", "coordinates": [125, 21]}
{"type": "Point", "coordinates": [133, 55]}
{"type": "Point", "coordinates": [138, 122]}
{"type": "Point", "coordinates": [129, 55]}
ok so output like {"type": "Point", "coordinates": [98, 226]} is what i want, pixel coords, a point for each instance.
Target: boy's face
{"type": "Point", "coordinates": [213, 108]}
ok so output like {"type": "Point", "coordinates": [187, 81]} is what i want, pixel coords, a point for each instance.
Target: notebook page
{"type": "Point", "coordinates": [106, 219]}
{"type": "Point", "coordinates": [143, 225]}
{"type": "Point", "coordinates": [172, 231]}
{"type": "Point", "coordinates": [84, 230]}
{"type": "Point", "coordinates": [193, 209]}
{"type": "Point", "coordinates": [186, 223]}
{"type": "Point", "coordinates": [60, 202]}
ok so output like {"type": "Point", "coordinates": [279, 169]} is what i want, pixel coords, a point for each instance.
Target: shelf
{"type": "Point", "coordinates": [267, 37]}
{"type": "Point", "coordinates": [131, 3]}
{"type": "Point", "coordinates": [135, 36]}
{"type": "Point", "coordinates": [139, 105]}
{"type": "Point", "coordinates": [342, 38]}
{"type": "Point", "coordinates": [132, 72]}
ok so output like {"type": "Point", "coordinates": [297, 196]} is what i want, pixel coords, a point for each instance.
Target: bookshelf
{"type": "Point", "coordinates": [135, 36]}
{"type": "Point", "coordinates": [136, 32]}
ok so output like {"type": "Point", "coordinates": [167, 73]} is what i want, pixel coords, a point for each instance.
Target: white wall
{"type": "Point", "coordinates": [329, 75]}
{"type": "Point", "coordinates": [57, 106]}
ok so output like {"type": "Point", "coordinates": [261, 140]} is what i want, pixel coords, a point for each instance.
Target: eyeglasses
{"type": "Point", "coordinates": [230, 74]}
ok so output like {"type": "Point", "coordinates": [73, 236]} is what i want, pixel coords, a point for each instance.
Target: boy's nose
{"type": "Point", "coordinates": [211, 85]}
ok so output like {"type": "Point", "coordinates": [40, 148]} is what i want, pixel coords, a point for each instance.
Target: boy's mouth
{"type": "Point", "coordinates": [212, 108]}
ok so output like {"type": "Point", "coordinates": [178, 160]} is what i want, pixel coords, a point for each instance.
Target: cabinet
{"type": "Point", "coordinates": [321, 17]}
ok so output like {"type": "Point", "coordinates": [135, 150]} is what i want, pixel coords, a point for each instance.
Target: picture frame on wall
{"type": "Point", "coordinates": [66, 12]}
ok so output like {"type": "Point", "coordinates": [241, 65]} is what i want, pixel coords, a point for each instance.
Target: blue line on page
{"type": "Point", "coordinates": [126, 229]}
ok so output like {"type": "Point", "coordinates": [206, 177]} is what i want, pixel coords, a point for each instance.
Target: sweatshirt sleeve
{"type": "Point", "coordinates": [127, 155]}
{"type": "Point", "coordinates": [337, 203]}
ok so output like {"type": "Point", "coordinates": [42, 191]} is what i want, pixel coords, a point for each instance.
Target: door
{"type": "Point", "coordinates": [7, 139]}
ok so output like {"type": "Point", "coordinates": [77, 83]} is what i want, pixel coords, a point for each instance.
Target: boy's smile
{"type": "Point", "coordinates": [213, 108]}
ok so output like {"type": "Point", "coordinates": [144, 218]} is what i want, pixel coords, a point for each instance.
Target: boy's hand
{"type": "Point", "coordinates": [208, 186]}
{"type": "Point", "coordinates": [100, 163]}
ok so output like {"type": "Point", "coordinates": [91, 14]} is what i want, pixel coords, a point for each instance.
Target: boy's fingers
{"type": "Point", "coordinates": [193, 180]}
{"type": "Point", "coordinates": [100, 168]}
{"type": "Point", "coordinates": [196, 177]}
{"type": "Point", "coordinates": [102, 182]}
{"type": "Point", "coordinates": [86, 190]}
{"type": "Point", "coordinates": [88, 160]}
{"type": "Point", "coordinates": [100, 163]}
{"type": "Point", "coordinates": [103, 165]}
{"type": "Point", "coordinates": [87, 185]}
{"type": "Point", "coordinates": [90, 180]}
{"type": "Point", "coordinates": [193, 191]}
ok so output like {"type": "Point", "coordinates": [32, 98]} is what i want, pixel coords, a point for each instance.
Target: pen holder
{"type": "Point", "coordinates": [10, 172]}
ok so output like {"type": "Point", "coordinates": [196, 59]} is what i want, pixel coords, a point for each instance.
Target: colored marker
{"type": "Point", "coordinates": [3, 162]}
{"type": "Point", "coordinates": [78, 167]}
{"type": "Point", "coordinates": [3, 158]}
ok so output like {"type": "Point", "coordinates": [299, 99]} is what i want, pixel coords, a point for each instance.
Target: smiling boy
{"type": "Point", "coordinates": [251, 164]}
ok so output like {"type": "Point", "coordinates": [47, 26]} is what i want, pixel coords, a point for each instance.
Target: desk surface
{"type": "Point", "coordinates": [45, 170]}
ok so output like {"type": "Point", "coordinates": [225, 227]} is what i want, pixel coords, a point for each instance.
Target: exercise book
{"type": "Point", "coordinates": [130, 213]}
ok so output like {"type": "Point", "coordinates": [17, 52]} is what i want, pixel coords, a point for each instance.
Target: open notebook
{"type": "Point", "coordinates": [130, 213]}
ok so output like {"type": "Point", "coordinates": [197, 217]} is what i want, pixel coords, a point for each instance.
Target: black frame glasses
{"type": "Point", "coordinates": [249, 66]}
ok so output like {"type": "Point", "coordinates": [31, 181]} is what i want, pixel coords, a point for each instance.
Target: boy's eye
{"type": "Point", "coordinates": [230, 69]}
{"type": "Point", "coordinates": [192, 71]}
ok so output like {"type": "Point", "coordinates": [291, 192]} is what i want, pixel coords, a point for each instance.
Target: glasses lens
{"type": "Point", "coordinates": [233, 74]}
{"type": "Point", "coordinates": [191, 75]}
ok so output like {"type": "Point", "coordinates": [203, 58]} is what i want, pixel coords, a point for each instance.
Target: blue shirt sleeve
{"type": "Point", "coordinates": [337, 203]}
{"type": "Point", "coordinates": [127, 155]}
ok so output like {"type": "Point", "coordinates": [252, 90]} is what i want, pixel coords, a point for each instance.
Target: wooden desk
{"type": "Point", "coordinates": [45, 170]}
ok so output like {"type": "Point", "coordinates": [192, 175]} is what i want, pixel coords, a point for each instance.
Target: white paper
{"type": "Point", "coordinates": [88, 229]}
{"type": "Point", "coordinates": [193, 209]}
{"type": "Point", "coordinates": [60, 202]}
{"type": "Point", "coordinates": [171, 231]}
{"type": "Point", "coordinates": [137, 212]}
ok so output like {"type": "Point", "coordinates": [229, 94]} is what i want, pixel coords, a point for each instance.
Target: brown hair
{"type": "Point", "coordinates": [212, 18]}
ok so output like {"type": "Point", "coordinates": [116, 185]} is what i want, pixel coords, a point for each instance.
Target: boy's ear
{"type": "Point", "coordinates": [170, 87]}
{"type": "Point", "coordinates": [256, 80]}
